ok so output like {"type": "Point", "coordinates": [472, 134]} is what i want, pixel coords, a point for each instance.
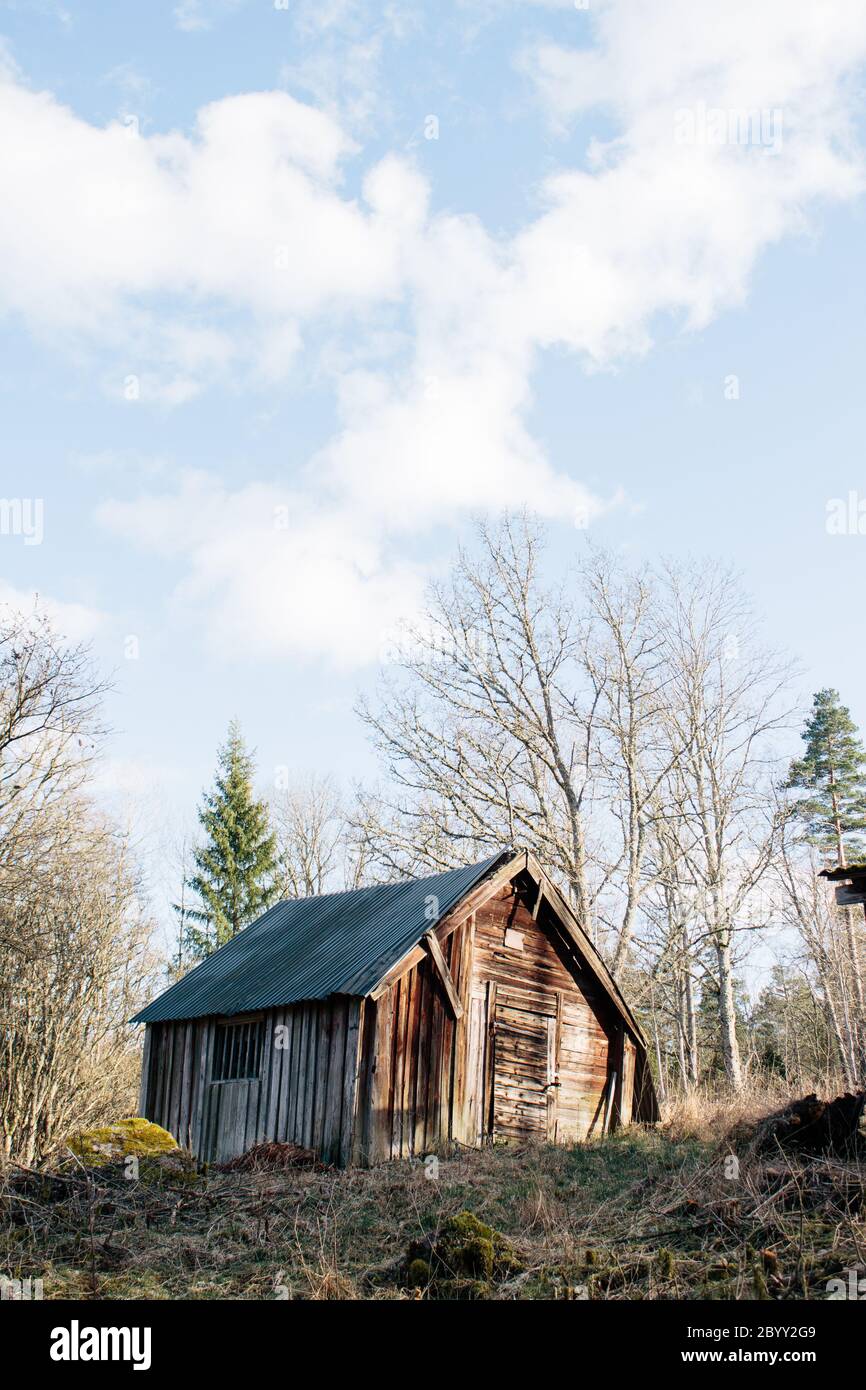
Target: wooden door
{"type": "Point", "coordinates": [524, 1081]}
{"type": "Point", "coordinates": [231, 1125]}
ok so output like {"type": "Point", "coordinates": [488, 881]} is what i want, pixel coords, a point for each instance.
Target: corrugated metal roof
{"type": "Point", "coordinates": [310, 948]}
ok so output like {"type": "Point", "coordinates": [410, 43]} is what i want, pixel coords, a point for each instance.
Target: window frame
{"type": "Point", "coordinates": [238, 1046]}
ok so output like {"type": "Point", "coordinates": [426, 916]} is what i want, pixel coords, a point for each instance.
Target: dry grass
{"type": "Point", "coordinates": [708, 1114]}
{"type": "Point", "coordinates": [650, 1214]}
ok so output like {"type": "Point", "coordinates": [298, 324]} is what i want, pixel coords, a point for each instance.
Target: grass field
{"type": "Point", "coordinates": [667, 1213]}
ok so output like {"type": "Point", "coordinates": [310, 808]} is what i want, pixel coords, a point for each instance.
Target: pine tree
{"type": "Point", "coordinates": [235, 878]}
{"type": "Point", "coordinates": [832, 777]}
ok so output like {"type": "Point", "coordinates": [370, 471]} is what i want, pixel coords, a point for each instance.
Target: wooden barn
{"type": "Point", "coordinates": [468, 1007]}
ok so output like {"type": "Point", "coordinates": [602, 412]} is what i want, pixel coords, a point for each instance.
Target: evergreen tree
{"type": "Point", "coordinates": [235, 868]}
{"type": "Point", "coordinates": [832, 777]}
{"type": "Point", "coordinates": [788, 1029]}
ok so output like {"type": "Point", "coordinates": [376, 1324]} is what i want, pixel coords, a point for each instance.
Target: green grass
{"type": "Point", "coordinates": [641, 1214]}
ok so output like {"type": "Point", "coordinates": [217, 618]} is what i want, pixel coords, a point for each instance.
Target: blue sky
{"type": "Point", "coordinates": [345, 338]}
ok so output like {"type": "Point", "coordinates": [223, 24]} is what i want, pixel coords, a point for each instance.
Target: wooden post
{"type": "Point", "coordinates": [440, 965]}
{"type": "Point", "coordinates": [609, 1107]}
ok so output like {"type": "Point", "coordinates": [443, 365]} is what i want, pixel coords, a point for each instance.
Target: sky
{"type": "Point", "coordinates": [292, 291]}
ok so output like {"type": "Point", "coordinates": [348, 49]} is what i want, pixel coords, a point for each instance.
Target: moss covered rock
{"type": "Point", "coordinates": [463, 1259]}
{"type": "Point", "coordinates": [418, 1274]}
{"type": "Point", "coordinates": [108, 1143]}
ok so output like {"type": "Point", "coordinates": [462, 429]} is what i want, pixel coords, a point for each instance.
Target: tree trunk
{"type": "Point", "coordinates": [727, 1012]}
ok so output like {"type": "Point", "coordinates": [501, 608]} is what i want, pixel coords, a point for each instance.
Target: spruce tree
{"type": "Point", "coordinates": [235, 866]}
{"type": "Point", "coordinates": [831, 776]}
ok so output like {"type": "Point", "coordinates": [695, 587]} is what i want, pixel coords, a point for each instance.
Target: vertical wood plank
{"type": "Point", "coordinates": [379, 1125]}
{"type": "Point", "coordinates": [199, 1138]}
{"type": "Point", "coordinates": [144, 1085]}
{"type": "Point", "coordinates": [310, 1076]}
{"type": "Point", "coordinates": [422, 1067]}
{"type": "Point", "coordinates": [410, 1067]}
{"type": "Point", "coordinates": [304, 1122]}
{"type": "Point", "coordinates": [487, 1127]}
{"type": "Point", "coordinates": [351, 1080]}
{"type": "Point", "coordinates": [335, 1060]}
{"type": "Point", "coordinates": [165, 1087]}
{"type": "Point", "coordinates": [284, 1100]}
{"type": "Point", "coordinates": [273, 1060]}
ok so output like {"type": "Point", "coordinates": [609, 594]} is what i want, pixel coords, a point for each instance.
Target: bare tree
{"type": "Point", "coordinates": [624, 656]}
{"type": "Point", "coordinates": [50, 701]}
{"type": "Point", "coordinates": [622, 726]}
{"type": "Point", "coordinates": [726, 699]}
{"type": "Point", "coordinates": [482, 732]}
{"type": "Point", "coordinates": [310, 827]}
{"type": "Point", "coordinates": [672, 939]}
{"type": "Point", "coordinates": [67, 1055]}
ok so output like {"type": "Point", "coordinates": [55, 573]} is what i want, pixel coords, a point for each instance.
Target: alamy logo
{"type": "Point", "coordinates": [77, 1343]}
{"type": "Point", "coordinates": [720, 125]}
{"type": "Point", "coordinates": [20, 1290]}
{"type": "Point", "coordinates": [23, 516]}
{"type": "Point", "coordinates": [846, 516]}
{"type": "Point", "coordinates": [848, 1286]}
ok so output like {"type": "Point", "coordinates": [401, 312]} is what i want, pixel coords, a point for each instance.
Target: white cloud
{"type": "Point", "coordinates": [338, 53]}
{"type": "Point", "coordinates": [245, 217]}
{"type": "Point", "coordinates": [75, 621]}
{"type": "Point", "coordinates": [192, 16]}
{"type": "Point", "coordinates": [433, 423]}
{"type": "Point", "coordinates": [664, 223]}
{"type": "Point", "coordinates": [275, 572]}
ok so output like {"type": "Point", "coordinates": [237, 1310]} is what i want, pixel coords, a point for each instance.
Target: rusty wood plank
{"type": "Point", "coordinates": [409, 1091]}
{"type": "Point", "coordinates": [402, 1055]}
{"type": "Point", "coordinates": [379, 1122]}
{"type": "Point", "coordinates": [489, 1060]}
{"type": "Point", "coordinates": [422, 1067]}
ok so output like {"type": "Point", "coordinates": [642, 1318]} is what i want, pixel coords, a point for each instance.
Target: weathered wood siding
{"type": "Point", "coordinates": [305, 1093]}
{"type": "Point", "coordinates": [409, 1075]}
{"type": "Point", "coordinates": [534, 1055]}
{"type": "Point", "coordinates": [543, 1041]}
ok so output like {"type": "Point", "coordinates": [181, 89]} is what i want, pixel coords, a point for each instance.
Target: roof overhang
{"type": "Point", "coordinates": [511, 864]}
{"type": "Point", "coordinates": [851, 884]}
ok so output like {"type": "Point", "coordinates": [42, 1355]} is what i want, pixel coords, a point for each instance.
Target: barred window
{"type": "Point", "coordinates": [237, 1051]}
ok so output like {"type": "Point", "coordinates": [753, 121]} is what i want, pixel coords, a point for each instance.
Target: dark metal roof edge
{"type": "Point", "coordinates": [382, 964]}
{"type": "Point", "coordinates": [844, 871]}
{"type": "Point", "coordinates": [486, 870]}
